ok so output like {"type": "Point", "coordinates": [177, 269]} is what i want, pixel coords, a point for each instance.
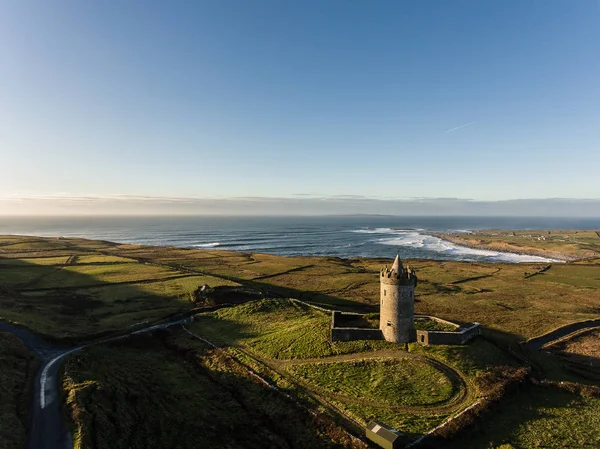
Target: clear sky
{"type": "Point", "coordinates": [489, 100]}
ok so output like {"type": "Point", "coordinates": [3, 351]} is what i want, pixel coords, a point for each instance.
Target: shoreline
{"type": "Point", "coordinates": [441, 236]}
{"type": "Point", "coordinates": [558, 258]}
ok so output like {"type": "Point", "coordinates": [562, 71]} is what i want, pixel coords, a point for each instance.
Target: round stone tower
{"type": "Point", "coordinates": [397, 306]}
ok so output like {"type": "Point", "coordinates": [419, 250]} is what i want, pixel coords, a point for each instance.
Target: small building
{"type": "Point", "coordinates": [383, 435]}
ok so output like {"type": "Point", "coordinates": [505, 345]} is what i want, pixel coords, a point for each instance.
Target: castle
{"type": "Point", "coordinates": [397, 315]}
{"type": "Point", "coordinates": [397, 303]}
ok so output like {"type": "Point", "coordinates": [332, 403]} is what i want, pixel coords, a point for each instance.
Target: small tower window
{"type": "Point", "coordinates": [384, 290]}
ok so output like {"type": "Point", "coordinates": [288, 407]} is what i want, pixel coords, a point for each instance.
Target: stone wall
{"type": "Point", "coordinates": [351, 333]}
{"type": "Point", "coordinates": [355, 333]}
{"type": "Point", "coordinates": [439, 320]}
{"type": "Point", "coordinates": [460, 337]}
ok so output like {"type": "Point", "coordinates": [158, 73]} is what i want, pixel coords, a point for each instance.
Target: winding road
{"type": "Point", "coordinates": [47, 429]}
{"type": "Point", "coordinates": [543, 340]}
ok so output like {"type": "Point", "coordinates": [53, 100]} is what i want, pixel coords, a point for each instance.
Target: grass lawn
{"type": "Point", "coordinates": [277, 329]}
{"type": "Point", "coordinates": [472, 359]}
{"type": "Point", "coordinates": [17, 368]}
{"type": "Point", "coordinates": [388, 381]}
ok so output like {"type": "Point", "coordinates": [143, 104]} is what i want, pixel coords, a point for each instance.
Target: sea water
{"type": "Point", "coordinates": [340, 236]}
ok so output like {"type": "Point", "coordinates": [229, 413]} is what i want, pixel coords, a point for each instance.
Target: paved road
{"type": "Point", "coordinates": [47, 429]}
{"type": "Point", "coordinates": [539, 342]}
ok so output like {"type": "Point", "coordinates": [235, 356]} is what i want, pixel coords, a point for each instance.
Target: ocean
{"type": "Point", "coordinates": [341, 236]}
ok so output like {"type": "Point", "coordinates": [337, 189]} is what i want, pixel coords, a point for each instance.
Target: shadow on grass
{"type": "Point", "coordinates": [168, 391]}
{"type": "Point", "coordinates": [69, 310]}
{"type": "Point", "coordinates": [316, 298]}
{"type": "Point", "coordinates": [502, 424]}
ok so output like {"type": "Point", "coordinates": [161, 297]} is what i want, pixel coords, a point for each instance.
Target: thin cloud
{"type": "Point", "coordinates": [459, 127]}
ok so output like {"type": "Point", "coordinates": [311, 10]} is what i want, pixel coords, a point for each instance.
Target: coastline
{"type": "Point", "coordinates": [344, 237]}
{"type": "Point", "coordinates": [212, 247]}
{"type": "Point", "coordinates": [560, 258]}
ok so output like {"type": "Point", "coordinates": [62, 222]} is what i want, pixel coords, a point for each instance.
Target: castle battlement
{"type": "Point", "coordinates": [398, 274]}
{"type": "Point", "coordinates": [407, 276]}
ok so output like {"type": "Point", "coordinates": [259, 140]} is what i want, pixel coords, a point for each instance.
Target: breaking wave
{"type": "Point", "coordinates": [415, 240]}
{"type": "Point", "coordinates": [207, 245]}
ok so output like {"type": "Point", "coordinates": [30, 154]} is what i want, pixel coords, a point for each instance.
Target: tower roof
{"type": "Point", "coordinates": [397, 266]}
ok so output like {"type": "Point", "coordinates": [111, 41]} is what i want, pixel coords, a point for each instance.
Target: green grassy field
{"type": "Point", "coordinates": [149, 392]}
{"type": "Point", "coordinates": [73, 289]}
{"type": "Point", "coordinates": [86, 292]}
{"type": "Point", "coordinates": [504, 297]}
{"type": "Point", "coordinates": [538, 418]}
{"type": "Point", "coordinates": [386, 381]}
{"type": "Point", "coordinates": [363, 380]}
{"type": "Point", "coordinates": [278, 329]}
{"type": "Point", "coordinates": [17, 367]}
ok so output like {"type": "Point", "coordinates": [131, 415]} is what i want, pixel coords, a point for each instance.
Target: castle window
{"type": "Point", "coordinates": [384, 292]}
{"type": "Point", "coordinates": [389, 323]}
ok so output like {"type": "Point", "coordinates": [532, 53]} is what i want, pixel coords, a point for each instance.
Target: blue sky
{"type": "Point", "coordinates": [224, 98]}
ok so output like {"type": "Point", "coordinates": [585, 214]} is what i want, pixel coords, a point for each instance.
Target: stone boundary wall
{"type": "Point", "coordinates": [439, 320]}
{"type": "Point", "coordinates": [322, 309]}
{"type": "Point", "coordinates": [351, 333]}
{"type": "Point", "coordinates": [355, 333]}
{"type": "Point", "coordinates": [337, 315]}
{"type": "Point", "coordinates": [448, 338]}
{"type": "Point", "coordinates": [458, 337]}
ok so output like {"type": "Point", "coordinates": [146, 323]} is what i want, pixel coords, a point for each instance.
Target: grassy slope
{"type": "Point", "coordinates": [538, 417]}
{"type": "Point", "coordinates": [17, 367]}
{"type": "Point", "coordinates": [85, 292]}
{"type": "Point", "coordinates": [277, 329]}
{"type": "Point", "coordinates": [149, 393]}
{"type": "Point", "coordinates": [583, 344]}
{"type": "Point", "coordinates": [284, 333]}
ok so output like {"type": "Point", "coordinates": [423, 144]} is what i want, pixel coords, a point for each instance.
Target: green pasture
{"type": "Point", "coordinates": [149, 395]}
{"type": "Point", "coordinates": [76, 276]}
{"type": "Point", "coordinates": [99, 259]}
{"type": "Point", "coordinates": [278, 329]}
{"type": "Point", "coordinates": [538, 418]}
{"type": "Point", "coordinates": [52, 261]}
{"type": "Point", "coordinates": [387, 381]}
